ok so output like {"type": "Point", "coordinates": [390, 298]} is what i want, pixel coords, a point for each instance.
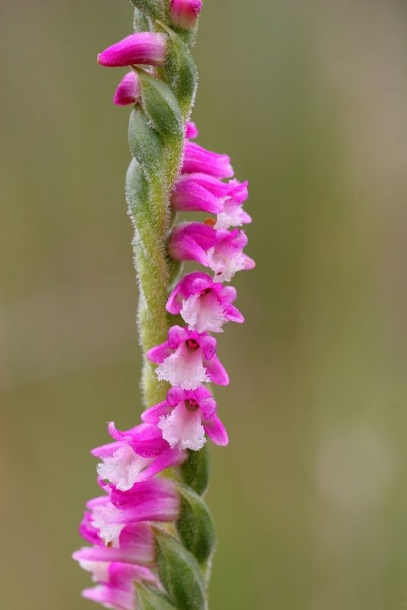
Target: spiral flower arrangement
{"type": "Point", "coordinates": [151, 533]}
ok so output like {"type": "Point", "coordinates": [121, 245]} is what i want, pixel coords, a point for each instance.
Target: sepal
{"type": "Point", "coordinates": [195, 470]}
{"type": "Point", "coordinates": [179, 573]}
{"type": "Point", "coordinates": [195, 526]}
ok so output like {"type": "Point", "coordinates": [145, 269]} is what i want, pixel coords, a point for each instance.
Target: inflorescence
{"type": "Point", "coordinates": [140, 514]}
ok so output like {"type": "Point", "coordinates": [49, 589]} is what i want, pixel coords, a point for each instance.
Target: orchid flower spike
{"type": "Point", "coordinates": [150, 534]}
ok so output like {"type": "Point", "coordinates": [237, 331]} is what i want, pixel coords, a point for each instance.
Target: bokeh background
{"type": "Point", "coordinates": [309, 99]}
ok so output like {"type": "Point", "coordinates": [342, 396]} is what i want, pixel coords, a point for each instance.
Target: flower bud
{"type": "Point", "coordinates": [184, 13]}
{"type": "Point", "coordinates": [128, 90]}
{"type": "Point", "coordinates": [140, 48]}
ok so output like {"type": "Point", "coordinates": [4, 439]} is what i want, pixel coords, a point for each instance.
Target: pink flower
{"type": "Point", "coordinates": [140, 48]}
{"type": "Point", "coordinates": [212, 184]}
{"type": "Point", "coordinates": [152, 500]}
{"type": "Point", "coordinates": [117, 588]}
{"type": "Point", "coordinates": [227, 257]}
{"type": "Point", "coordinates": [204, 305]}
{"type": "Point", "coordinates": [232, 214]}
{"type": "Point", "coordinates": [190, 196]}
{"type": "Point", "coordinates": [128, 90]}
{"type": "Point", "coordinates": [186, 416]}
{"type": "Point", "coordinates": [136, 545]}
{"type": "Point", "coordinates": [188, 359]}
{"type": "Point", "coordinates": [139, 454]}
{"type": "Point", "coordinates": [198, 159]}
{"type": "Point", "coordinates": [190, 241]}
{"type": "Point", "coordinates": [184, 13]}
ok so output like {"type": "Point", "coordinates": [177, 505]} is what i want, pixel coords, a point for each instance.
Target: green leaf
{"type": "Point", "coordinates": [195, 525]}
{"type": "Point", "coordinates": [180, 574]}
{"type": "Point", "coordinates": [195, 470]}
{"type": "Point", "coordinates": [160, 104]}
{"type": "Point", "coordinates": [152, 8]}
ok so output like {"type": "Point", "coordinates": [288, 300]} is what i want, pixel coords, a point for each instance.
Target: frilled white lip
{"type": "Point", "coordinates": [182, 428]}
{"type": "Point", "coordinates": [203, 312]}
{"type": "Point", "coordinates": [123, 468]}
{"type": "Point", "coordinates": [183, 368]}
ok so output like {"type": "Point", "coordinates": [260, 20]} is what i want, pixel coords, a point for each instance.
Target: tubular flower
{"type": "Point", "coordinates": [190, 241]}
{"type": "Point", "coordinates": [198, 159]}
{"type": "Point", "coordinates": [140, 48]}
{"type": "Point", "coordinates": [191, 196]}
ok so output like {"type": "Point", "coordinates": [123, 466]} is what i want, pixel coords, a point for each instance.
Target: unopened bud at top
{"type": "Point", "coordinates": [140, 48]}
{"type": "Point", "coordinates": [184, 13]}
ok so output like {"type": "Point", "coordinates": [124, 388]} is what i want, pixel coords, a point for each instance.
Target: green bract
{"type": "Point", "coordinates": [152, 599]}
{"type": "Point", "coordinates": [180, 574]}
{"type": "Point", "coordinates": [153, 8]}
{"type": "Point", "coordinates": [195, 526]}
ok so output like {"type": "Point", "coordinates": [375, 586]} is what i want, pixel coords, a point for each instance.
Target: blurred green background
{"type": "Point", "coordinates": [309, 99]}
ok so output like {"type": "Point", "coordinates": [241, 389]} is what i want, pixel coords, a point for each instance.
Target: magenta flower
{"type": "Point", "coordinates": [216, 186]}
{"type": "Point", "coordinates": [143, 438]}
{"type": "Point", "coordinates": [190, 241]}
{"type": "Point", "coordinates": [117, 588]}
{"type": "Point", "coordinates": [232, 214]}
{"type": "Point", "coordinates": [204, 305]}
{"type": "Point", "coordinates": [190, 196]}
{"type": "Point", "coordinates": [152, 500]}
{"type": "Point", "coordinates": [188, 359]}
{"type": "Point", "coordinates": [128, 90]}
{"type": "Point", "coordinates": [184, 13]}
{"type": "Point", "coordinates": [186, 416]}
{"type": "Point", "coordinates": [198, 159]}
{"type": "Point", "coordinates": [140, 48]}
{"type": "Point", "coordinates": [227, 257]}
{"type": "Point", "coordinates": [136, 545]}
{"type": "Point", "coordinates": [140, 454]}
